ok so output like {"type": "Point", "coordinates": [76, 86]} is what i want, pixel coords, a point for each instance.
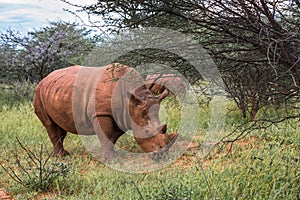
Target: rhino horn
{"type": "Point", "coordinates": [170, 139]}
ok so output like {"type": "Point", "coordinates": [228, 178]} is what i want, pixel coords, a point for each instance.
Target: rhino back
{"type": "Point", "coordinates": [73, 97]}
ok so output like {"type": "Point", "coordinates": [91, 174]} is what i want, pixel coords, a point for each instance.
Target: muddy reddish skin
{"type": "Point", "coordinates": [53, 106]}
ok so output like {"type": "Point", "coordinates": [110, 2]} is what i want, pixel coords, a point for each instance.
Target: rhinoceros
{"type": "Point", "coordinates": [106, 101]}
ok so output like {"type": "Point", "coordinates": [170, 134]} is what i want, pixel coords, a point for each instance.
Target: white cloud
{"type": "Point", "coordinates": [29, 14]}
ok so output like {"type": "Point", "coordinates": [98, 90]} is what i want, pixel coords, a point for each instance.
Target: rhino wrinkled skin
{"type": "Point", "coordinates": [98, 100]}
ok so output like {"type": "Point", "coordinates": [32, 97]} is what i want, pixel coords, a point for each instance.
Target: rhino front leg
{"type": "Point", "coordinates": [108, 133]}
{"type": "Point", "coordinates": [57, 136]}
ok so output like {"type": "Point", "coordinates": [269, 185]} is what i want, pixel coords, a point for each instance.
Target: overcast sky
{"type": "Point", "coordinates": [26, 15]}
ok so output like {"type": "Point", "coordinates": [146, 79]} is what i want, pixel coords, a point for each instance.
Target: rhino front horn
{"type": "Point", "coordinates": [171, 138]}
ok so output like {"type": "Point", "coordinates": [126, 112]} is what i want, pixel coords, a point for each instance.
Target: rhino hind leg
{"type": "Point", "coordinates": [57, 136]}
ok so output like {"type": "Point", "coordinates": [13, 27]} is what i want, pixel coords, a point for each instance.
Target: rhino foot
{"type": "Point", "coordinates": [61, 153]}
{"type": "Point", "coordinates": [108, 157]}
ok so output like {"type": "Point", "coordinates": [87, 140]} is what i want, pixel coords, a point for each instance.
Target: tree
{"type": "Point", "coordinates": [33, 55]}
{"type": "Point", "coordinates": [255, 43]}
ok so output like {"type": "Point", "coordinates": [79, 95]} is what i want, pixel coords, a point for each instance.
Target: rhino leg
{"type": "Point", "coordinates": [55, 133]}
{"type": "Point", "coordinates": [108, 135]}
{"type": "Point", "coordinates": [57, 136]}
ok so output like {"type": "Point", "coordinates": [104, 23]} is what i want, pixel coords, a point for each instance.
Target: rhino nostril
{"type": "Point", "coordinates": [163, 128]}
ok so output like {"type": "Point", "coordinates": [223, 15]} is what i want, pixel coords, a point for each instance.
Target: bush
{"type": "Point", "coordinates": [34, 169]}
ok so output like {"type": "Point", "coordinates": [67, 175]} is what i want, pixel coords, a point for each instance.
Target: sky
{"type": "Point", "coordinates": [26, 15]}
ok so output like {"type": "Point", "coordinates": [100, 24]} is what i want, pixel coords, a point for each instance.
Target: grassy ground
{"type": "Point", "coordinates": [264, 165]}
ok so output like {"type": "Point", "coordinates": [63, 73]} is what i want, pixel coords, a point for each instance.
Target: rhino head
{"type": "Point", "coordinates": [148, 131]}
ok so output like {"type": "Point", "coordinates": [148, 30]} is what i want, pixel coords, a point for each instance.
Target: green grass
{"type": "Point", "coordinates": [264, 165]}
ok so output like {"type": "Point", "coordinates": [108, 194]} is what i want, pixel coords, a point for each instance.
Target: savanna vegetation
{"type": "Point", "coordinates": [263, 165]}
{"type": "Point", "coordinates": [255, 45]}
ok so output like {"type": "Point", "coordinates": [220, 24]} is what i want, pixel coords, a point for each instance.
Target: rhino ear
{"type": "Point", "coordinates": [137, 100]}
{"type": "Point", "coordinates": [163, 95]}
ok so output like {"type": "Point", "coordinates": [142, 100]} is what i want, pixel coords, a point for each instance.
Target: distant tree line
{"type": "Point", "coordinates": [33, 55]}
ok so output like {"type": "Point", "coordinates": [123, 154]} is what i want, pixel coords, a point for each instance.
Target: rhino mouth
{"type": "Point", "coordinates": [172, 140]}
{"type": "Point", "coordinates": [158, 142]}
{"type": "Point", "coordinates": [169, 143]}
{"type": "Point", "coordinates": [164, 153]}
